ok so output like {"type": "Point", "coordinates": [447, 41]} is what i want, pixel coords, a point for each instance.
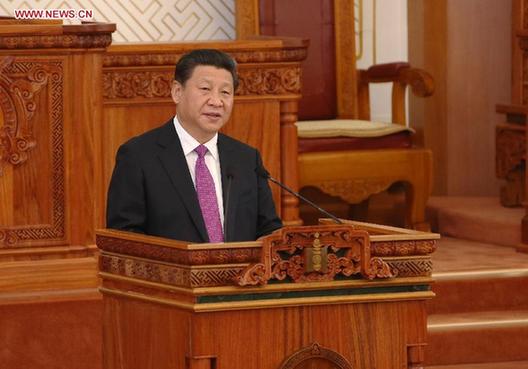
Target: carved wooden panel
{"type": "Point", "coordinates": [32, 151]}
{"type": "Point", "coordinates": [315, 254]}
{"type": "Point", "coordinates": [146, 83]}
{"type": "Point", "coordinates": [315, 356]}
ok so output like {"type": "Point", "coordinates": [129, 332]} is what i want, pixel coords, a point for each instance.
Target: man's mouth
{"type": "Point", "coordinates": [213, 115]}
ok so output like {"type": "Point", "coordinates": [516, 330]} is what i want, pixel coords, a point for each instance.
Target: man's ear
{"type": "Point", "coordinates": [176, 91]}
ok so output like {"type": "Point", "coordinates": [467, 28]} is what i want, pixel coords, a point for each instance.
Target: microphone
{"type": "Point", "coordinates": [230, 174]}
{"type": "Point", "coordinates": [265, 174]}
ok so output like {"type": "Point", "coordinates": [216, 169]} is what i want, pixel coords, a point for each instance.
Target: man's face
{"type": "Point", "coordinates": [204, 103]}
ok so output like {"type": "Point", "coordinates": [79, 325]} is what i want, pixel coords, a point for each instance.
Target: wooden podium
{"type": "Point", "coordinates": [329, 296]}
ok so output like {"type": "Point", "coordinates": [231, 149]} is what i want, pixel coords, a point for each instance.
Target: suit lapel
{"type": "Point", "coordinates": [228, 165]}
{"type": "Point", "coordinates": [174, 162]}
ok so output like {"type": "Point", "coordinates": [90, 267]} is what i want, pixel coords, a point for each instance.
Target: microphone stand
{"type": "Point", "coordinates": [263, 172]}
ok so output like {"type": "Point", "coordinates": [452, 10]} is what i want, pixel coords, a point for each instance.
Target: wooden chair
{"type": "Point", "coordinates": [339, 152]}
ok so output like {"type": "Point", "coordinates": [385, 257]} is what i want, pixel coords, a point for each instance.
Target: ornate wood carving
{"type": "Point", "coordinates": [169, 274]}
{"type": "Point", "coordinates": [510, 144]}
{"type": "Point", "coordinates": [315, 355]}
{"type": "Point", "coordinates": [315, 254]}
{"type": "Point", "coordinates": [354, 191]}
{"type": "Point", "coordinates": [55, 41]}
{"type": "Point", "coordinates": [274, 81]}
{"type": "Point", "coordinates": [126, 84]}
{"type": "Point", "coordinates": [147, 84]}
{"type": "Point", "coordinates": [411, 267]}
{"type": "Point", "coordinates": [510, 159]}
{"type": "Point", "coordinates": [403, 248]}
{"type": "Point", "coordinates": [18, 90]}
{"type": "Point", "coordinates": [306, 253]}
{"type": "Point", "coordinates": [20, 83]}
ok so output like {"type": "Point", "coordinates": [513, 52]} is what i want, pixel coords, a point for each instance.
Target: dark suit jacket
{"type": "Point", "coordinates": [152, 191]}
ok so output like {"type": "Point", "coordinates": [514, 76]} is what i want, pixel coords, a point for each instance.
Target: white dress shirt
{"type": "Point", "coordinates": [212, 160]}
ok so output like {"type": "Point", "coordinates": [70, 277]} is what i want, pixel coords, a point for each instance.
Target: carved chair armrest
{"type": "Point", "coordinates": [401, 74]}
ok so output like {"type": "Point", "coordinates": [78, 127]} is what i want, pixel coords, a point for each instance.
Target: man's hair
{"type": "Point", "coordinates": [211, 57]}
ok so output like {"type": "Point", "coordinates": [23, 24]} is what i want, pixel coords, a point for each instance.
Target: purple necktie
{"type": "Point", "coordinates": [205, 189]}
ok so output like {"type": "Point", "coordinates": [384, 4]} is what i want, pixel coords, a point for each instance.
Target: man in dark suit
{"type": "Point", "coordinates": [186, 181]}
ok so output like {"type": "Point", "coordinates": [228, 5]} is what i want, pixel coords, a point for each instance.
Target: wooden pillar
{"type": "Point", "coordinates": [289, 167]}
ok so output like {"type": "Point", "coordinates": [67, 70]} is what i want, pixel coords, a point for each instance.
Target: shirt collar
{"type": "Point", "coordinates": [189, 143]}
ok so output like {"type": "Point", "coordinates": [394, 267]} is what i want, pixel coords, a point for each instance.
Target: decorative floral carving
{"type": "Point", "coordinates": [291, 253]}
{"type": "Point", "coordinates": [510, 146]}
{"type": "Point", "coordinates": [315, 352]}
{"type": "Point", "coordinates": [20, 83]}
{"type": "Point", "coordinates": [403, 248]}
{"type": "Point", "coordinates": [136, 84]}
{"type": "Point", "coordinates": [18, 92]}
{"type": "Point", "coordinates": [354, 191]}
{"type": "Point", "coordinates": [128, 84]}
{"type": "Point", "coordinates": [273, 81]}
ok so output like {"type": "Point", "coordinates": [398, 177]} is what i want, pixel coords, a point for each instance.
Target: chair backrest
{"type": "Point", "coordinates": [329, 73]}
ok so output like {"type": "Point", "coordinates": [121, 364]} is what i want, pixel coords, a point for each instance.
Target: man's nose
{"type": "Point", "coordinates": [215, 99]}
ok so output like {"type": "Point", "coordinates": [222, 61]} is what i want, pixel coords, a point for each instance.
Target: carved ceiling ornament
{"type": "Point", "coordinates": [314, 354]}
{"type": "Point", "coordinates": [317, 253]}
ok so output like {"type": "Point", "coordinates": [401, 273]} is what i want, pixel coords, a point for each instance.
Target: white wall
{"type": "Point", "coordinates": [384, 38]}
{"type": "Point", "coordinates": [149, 20]}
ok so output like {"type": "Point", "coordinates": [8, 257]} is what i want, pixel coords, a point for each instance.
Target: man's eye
{"type": "Point", "coordinates": [204, 88]}
{"type": "Point", "coordinates": [226, 93]}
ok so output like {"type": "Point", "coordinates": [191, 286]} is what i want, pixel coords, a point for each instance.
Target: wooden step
{"type": "Point", "coordinates": [480, 290]}
{"type": "Point", "coordinates": [476, 218]}
{"type": "Point", "coordinates": [503, 365]}
{"type": "Point", "coordinates": [477, 337]}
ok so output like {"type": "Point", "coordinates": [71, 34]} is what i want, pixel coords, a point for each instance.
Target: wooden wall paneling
{"type": "Point", "coordinates": [32, 102]}
{"type": "Point", "coordinates": [518, 23]}
{"type": "Point", "coordinates": [427, 22]}
{"type": "Point", "coordinates": [84, 137]}
{"type": "Point", "coordinates": [144, 321]}
{"type": "Point", "coordinates": [50, 87]}
{"type": "Point", "coordinates": [43, 333]}
{"type": "Point", "coordinates": [474, 57]}
{"type": "Point", "coordinates": [520, 91]}
{"type": "Point", "coordinates": [459, 119]}
{"type": "Point", "coordinates": [247, 18]}
{"type": "Point", "coordinates": [50, 106]}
